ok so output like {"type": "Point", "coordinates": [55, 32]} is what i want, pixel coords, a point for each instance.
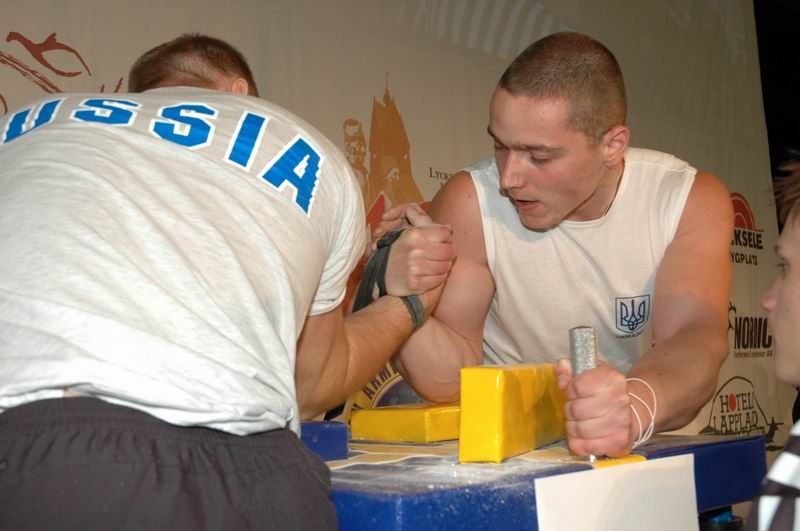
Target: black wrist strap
{"type": "Point", "coordinates": [374, 275]}
{"type": "Point", "coordinates": [415, 308]}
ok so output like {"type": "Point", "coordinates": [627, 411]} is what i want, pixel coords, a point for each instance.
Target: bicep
{"type": "Point", "coordinates": [470, 286]}
{"type": "Point", "coordinates": [694, 279]}
{"type": "Point", "coordinates": [321, 335]}
{"type": "Point", "coordinates": [318, 335]}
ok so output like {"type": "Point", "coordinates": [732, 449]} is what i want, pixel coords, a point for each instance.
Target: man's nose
{"type": "Point", "coordinates": [510, 172]}
{"type": "Point", "coordinates": [768, 298]}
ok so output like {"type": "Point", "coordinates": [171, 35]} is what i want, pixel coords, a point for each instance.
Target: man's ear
{"type": "Point", "coordinates": [616, 143]}
{"type": "Point", "coordinates": [239, 86]}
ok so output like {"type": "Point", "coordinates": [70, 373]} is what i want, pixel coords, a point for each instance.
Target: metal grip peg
{"type": "Point", "coordinates": [583, 354]}
{"type": "Point", "coordinates": [582, 348]}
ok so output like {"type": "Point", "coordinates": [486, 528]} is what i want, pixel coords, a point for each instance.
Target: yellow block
{"type": "Point", "coordinates": [508, 410]}
{"type": "Point", "coordinates": [406, 423]}
{"type": "Point", "coordinates": [605, 462]}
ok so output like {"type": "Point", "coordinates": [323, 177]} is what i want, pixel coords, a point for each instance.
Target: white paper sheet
{"type": "Point", "coordinates": [655, 495]}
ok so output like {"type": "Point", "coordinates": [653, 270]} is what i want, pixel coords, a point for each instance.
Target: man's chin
{"type": "Point", "coordinates": [535, 224]}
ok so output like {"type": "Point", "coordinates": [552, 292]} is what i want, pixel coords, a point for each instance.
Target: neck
{"type": "Point", "coordinates": [614, 188]}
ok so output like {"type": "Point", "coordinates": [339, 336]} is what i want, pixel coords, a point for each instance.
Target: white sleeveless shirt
{"type": "Point", "coordinates": [598, 273]}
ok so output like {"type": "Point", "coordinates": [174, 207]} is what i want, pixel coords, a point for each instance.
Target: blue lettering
{"type": "Point", "coordinates": [192, 125]}
{"type": "Point", "coordinates": [246, 139]}
{"type": "Point", "coordinates": [187, 125]}
{"type": "Point", "coordinates": [299, 166]}
{"type": "Point", "coordinates": [16, 124]}
{"type": "Point", "coordinates": [111, 112]}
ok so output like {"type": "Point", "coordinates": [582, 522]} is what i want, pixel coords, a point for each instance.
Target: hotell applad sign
{"type": "Point", "coordinates": [735, 411]}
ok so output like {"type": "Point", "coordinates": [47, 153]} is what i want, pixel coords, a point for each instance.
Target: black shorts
{"type": "Point", "coordinates": [84, 464]}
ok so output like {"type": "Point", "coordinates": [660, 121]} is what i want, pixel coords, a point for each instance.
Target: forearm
{"type": "Point", "coordinates": [431, 361]}
{"type": "Point", "coordinates": [682, 370]}
{"type": "Point", "coordinates": [359, 347]}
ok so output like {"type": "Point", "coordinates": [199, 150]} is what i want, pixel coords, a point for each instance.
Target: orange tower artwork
{"type": "Point", "coordinates": [389, 180]}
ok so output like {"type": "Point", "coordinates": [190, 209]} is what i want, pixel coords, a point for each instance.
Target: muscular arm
{"type": "Point", "coordinates": [690, 305]}
{"type": "Point", "coordinates": [336, 355]}
{"type": "Point", "coordinates": [689, 336]}
{"type": "Point", "coordinates": [451, 338]}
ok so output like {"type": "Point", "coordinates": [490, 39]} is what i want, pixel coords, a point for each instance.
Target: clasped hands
{"type": "Point", "coordinates": [421, 258]}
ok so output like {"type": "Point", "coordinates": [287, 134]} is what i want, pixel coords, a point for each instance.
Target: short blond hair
{"type": "Point", "coordinates": [190, 60]}
{"type": "Point", "coordinates": [575, 67]}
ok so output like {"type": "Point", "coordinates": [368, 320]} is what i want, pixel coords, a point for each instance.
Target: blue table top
{"type": "Point", "coordinates": [405, 487]}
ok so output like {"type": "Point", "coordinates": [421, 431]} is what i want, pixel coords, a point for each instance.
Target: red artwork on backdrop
{"type": "Point", "coordinates": [59, 59]}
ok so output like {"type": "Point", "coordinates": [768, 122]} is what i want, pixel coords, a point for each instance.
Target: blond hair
{"type": "Point", "coordinates": [190, 60]}
{"type": "Point", "coordinates": [577, 68]}
{"type": "Point", "coordinates": [787, 187]}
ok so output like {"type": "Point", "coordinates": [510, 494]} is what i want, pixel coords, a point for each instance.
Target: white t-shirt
{"type": "Point", "coordinates": [598, 273]}
{"type": "Point", "coordinates": [162, 251]}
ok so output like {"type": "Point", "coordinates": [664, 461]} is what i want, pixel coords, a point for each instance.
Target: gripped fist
{"type": "Point", "coordinates": [421, 258]}
{"type": "Point", "coordinates": [598, 414]}
{"type": "Point", "coordinates": [397, 217]}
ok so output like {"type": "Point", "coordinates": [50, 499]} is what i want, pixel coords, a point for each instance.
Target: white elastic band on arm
{"type": "Point", "coordinates": [644, 435]}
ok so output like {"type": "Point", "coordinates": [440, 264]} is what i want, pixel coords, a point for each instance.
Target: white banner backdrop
{"type": "Point", "coordinates": [403, 86]}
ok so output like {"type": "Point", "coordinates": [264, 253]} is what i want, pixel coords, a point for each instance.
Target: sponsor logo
{"type": "Point", "coordinates": [735, 411]}
{"type": "Point", "coordinates": [750, 335]}
{"type": "Point", "coordinates": [632, 313]}
{"type": "Point", "coordinates": [439, 175]}
{"type": "Point", "coordinates": [387, 388]}
{"type": "Point", "coordinates": [746, 237]}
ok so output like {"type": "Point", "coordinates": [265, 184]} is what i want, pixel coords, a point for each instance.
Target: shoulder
{"type": "Point", "coordinates": [650, 164]}
{"type": "Point", "coordinates": [455, 200]}
{"type": "Point", "coordinates": [709, 186]}
{"type": "Point", "coordinates": [463, 187]}
{"type": "Point", "coordinates": [708, 209]}
{"type": "Point", "coordinates": [709, 193]}
{"type": "Point", "coordinates": [456, 204]}
{"type": "Point", "coordinates": [484, 169]}
{"type": "Point", "coordinates": [705, 190]}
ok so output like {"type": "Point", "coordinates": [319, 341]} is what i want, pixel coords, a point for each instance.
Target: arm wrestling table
{"type": "Point", "coordinates": [411, 487]}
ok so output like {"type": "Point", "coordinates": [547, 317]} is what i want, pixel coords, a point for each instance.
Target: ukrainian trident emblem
{"type": "Point", "coordinates": [632, 313]}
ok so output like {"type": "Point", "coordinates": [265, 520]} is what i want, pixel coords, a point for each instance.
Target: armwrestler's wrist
{"type": "Point", "coordinates": [637, 388]}
{"type": "Point", "coordinates": [388, 282]}
{"type": "Point", "coordinates": [415, 309]}
{"type": "Point", "coordinates": [643, 410]}
{"type": "Point", "coordinates": [382, 285]}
